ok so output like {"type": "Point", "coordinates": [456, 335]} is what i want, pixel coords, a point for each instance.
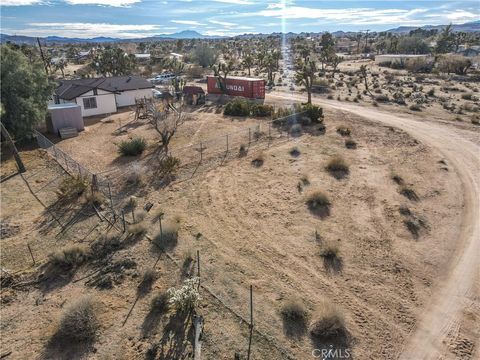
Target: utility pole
{"type": "Point", "coordinates": [366, 40]}
{"type": "Point", "coordinates": [43, 56]}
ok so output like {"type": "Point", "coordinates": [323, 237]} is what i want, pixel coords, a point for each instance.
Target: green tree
{"type": "Point", "coordinates": [445, 41]}
{"type": "Point", "coordinates": [25, 92]}
{"type": "Point", "coordinates": [113, 62]}
{"type": "Point", "coordinates": [205, 55]}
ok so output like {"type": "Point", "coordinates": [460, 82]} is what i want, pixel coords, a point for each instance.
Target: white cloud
{"type": "Point", "coordinates": [89, 30]}
{"type": "Point", "coordinates": [19, 2]}
{"type": "Point", "coordinates": [188, 22]}
{"type": "Point", "coordinates": [113, 3]}
{"type": "Point", "coordinates": [223, 23]}
{"type": "Point", "coordinates": [238, 2]}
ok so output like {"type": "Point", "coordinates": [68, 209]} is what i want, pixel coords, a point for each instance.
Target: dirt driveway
{"type": "Point", "coordinates": [455, 307]}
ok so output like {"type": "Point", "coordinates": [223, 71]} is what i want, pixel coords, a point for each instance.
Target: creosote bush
{"type": "Point", "coordinates": [237, 107]}
{"type": "Point", "coordinates": [415, 107]}
{"type": "Point", "coordinates": [327, 321]}
{"type": "Point", "coordinates": [79, 322]}
{"type": "Point", "coordinates": [72, 186]}
{"type": "Point", "coordinates": [329, 251]}
{"type": "Point", "coordinates": [169, 165]}
{"type": "Point", "coordinates": [132, 147]}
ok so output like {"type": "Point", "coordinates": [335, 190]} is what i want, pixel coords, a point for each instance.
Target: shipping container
{"type": "Point", "coordinates": [250, 88]}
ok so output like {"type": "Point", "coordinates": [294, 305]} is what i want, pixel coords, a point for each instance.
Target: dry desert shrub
{"type": "Point", "coordinates": [186, 298]}
{"type": "Point", "coordinates": [135, 176]}
{"type": "Point", "coordinates": [69, 257]}
{"type": "Point", "coordinates": [95, 198]}
{"type": "Point", "coordinates": [337, 167]}
{"type": "Point", "coordinates": [409, 193]}
{"type": "Point", "coordinates": [71, 187]}
{"type": "Point", "coordinates": [148, 278]}
{"type": "Point", "coordinates": [318, 203]}
{"type": "Point", "coordinates": [293, 310]}
{"type": "Point", "coordinates": [343, 130]}
{"type": "Point", "coordinates": [79, 322]}
{"type": "Point", "coordinates": [350, 144]}
{"type": "Point", "coordinates": [137, 229]}
{"type": "Point", "coordinates": [258, 160]}
{"type": "Point", "coordinates": [397, 178]}
{"type": "Point", "coordinates": [327, 322]}
{"type": "Point", "coordinates": [294, 151]}
{"type": "Point", "coordinates": [167, 238]}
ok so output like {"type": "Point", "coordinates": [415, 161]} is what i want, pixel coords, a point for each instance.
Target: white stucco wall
{"type": "Point", "coordinates": [127, 98]}
{"type": "Point", "coordinates": [399, 59]}
{"type": "Point", "coordinates": [105, 103]}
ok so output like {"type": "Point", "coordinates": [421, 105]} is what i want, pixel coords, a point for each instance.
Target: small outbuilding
{"type": "Point", "coordinates": [193, 95]}
{"type": "Point", "coordinates": [67, 115]}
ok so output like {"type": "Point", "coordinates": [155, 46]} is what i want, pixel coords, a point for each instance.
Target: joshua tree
{"type": "Point", "coordinates": [305, 75]}
{"type": "Point", "coordinates": [224, 68]}
{"type": "Point", "coordinates": [248, 62]}
{"type": "Point", "coordinates": [334, 62]}
{"type": "Point", "coordinates": [364, 76]}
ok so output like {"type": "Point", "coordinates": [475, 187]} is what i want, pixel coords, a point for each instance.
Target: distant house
{"type": "Point", "coordinates": [470, 52]}
{"type": "Point", "coordinates": [142, 57]}
{"type": "Point", "coordinates": [397, 59]}
{"type": "Point", "coordinates": [103, 95]}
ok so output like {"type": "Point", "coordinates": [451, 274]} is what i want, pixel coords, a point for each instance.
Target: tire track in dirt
{"type": "Point", "coordinates": [456, 288]}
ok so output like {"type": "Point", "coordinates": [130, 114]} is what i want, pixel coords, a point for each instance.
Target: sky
{"type": "Point", "coordinates": [142, 18]}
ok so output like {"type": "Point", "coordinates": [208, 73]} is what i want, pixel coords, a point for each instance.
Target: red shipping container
{"type": "Point", "coordinates": [238, 86]}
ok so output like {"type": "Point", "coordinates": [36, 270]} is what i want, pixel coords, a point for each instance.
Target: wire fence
{"type": "Point", "coordinates": [210, 152]}
{"type": "Point", "coordinates": [74, 168]}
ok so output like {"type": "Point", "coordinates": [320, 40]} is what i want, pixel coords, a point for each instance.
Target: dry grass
{"type": "Point", "coordinates": [95, 198]}
{"type": "Point", "coordinates": [167, 239]}
{"type": "Point", "coordinates": [79, 322]}
{"type": "Point", "coordinates": [69, 257]}
{"type": "Point", "coordinates": [330, 251]}
{"type": "Point", "coordinates": [71, 187]}
{"type": "Point", "coordinates": [137, 229]}
{"type": "Point", "coordinates": [328, 321]}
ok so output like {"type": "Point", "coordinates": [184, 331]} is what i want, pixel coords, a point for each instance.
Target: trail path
{"type": "Point", "coordinates": [458, 290]}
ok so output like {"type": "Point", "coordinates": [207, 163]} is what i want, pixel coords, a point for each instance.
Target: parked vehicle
{"type": "Point", "coordinates": [164, 78]}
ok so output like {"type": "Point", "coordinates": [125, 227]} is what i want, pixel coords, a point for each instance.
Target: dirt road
{"type": "Point", "coordinates": [455, 303]}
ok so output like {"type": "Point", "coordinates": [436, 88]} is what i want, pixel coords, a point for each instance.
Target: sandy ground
{"type": "Point", "coordinates": [252, 227]}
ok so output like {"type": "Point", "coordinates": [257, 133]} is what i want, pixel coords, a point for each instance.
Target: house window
{"type": "Point", "coordinates": [90, 103]}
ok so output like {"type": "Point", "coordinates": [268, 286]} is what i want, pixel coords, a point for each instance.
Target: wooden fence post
{"type": "Point", "coordinates": [227, 143]}
{"type": "Point", "coordinates": [269, 133]}
{"type": "Point", "coordinates": [201, 152]}
{"type": "Point", "coordinates": [249, 136]}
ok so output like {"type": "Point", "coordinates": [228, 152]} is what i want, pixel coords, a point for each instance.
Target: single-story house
{"type": "Point", "coordinates": [105, 95]}
{"type": "Point", "coordinates": [193, 95]}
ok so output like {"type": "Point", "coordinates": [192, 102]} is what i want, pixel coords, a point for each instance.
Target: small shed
{"type": "Point", "coordinates": [193, 95]}
{"type": "Point", "coordinates": [66, 115]}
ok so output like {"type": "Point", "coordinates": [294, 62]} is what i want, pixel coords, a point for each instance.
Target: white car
{"type": "Point", "coordinates": [164, 78]}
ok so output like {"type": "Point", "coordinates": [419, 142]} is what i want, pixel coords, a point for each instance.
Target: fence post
{"type": "Point", "coordinates": [123, 220]}
{"type": "Point", "coordinates": [94, 183]}
{"type": "Point", "coordinates": [227, 143]}
{"type": "Point", "coordinates": [31, 253]}
{"type": "Point", "coordinates": [201, 152]}
{"type": "Point", "coordinates": [111, 203]}
{"type": "Point", "coordinates": [198, 267]}
{"type": "Point", "coordinates": [249, 136]}
{"type": "Point", "coordinates": [251, 323]}
{"type": "Point", "coordinates": [269, 133]}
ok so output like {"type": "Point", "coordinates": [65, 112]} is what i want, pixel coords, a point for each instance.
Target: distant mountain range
{"type": "Point", "coordinates": [473, 26]}
{"type": "Point", "coordinates": [192, 34]}
{"type": "Point", "coordinates": [20, 39]}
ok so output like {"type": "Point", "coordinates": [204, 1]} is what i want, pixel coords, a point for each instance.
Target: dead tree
{"type": "Point", "coordinates": [166, 125]}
